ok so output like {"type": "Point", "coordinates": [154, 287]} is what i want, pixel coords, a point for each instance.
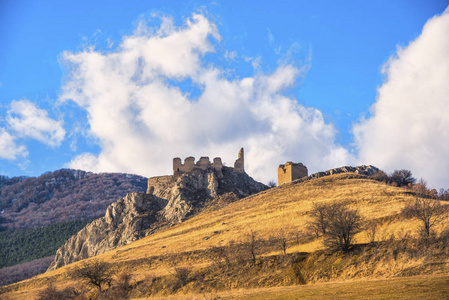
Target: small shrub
{"type": "Point", "coordinates": [380, 176]}
{"type": "Point", "coordinates": [220, 255]}
{"type": "Point", "coordinates": [124, 284]}
{"type": "Point", "coordinates": [182, 274]}
{"type": "Point", "coordinates": [51, 293]}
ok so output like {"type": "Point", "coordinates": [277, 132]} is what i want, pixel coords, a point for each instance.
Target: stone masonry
{"type": "Point", "coordinates": [291, 171]}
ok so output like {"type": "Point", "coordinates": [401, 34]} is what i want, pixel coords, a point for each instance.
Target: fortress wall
{"type": "Point", "coordinates": [203, 163]}
{"type": "Point", "coordinates": [284, 174]}
{"type": "Point", "coordinates": [298, 171]}
{"type": "Point", "coordinates": [218, 165]}
{"type": "Point", "coordinates": [291, 171]}
{"type": "Point", "coordinates": [178, 167]}
{"type": "Point", "coordinates": [153, 181]}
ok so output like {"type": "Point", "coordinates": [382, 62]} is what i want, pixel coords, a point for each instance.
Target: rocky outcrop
{"type": "Point", "coordinates": [124, 222]}
{"type": "Point", "coordinates": [185, 193]}
{"type": "Point", "coordinates": [363, 170]}
{"type": "Point", "coordinates": [169, 200]}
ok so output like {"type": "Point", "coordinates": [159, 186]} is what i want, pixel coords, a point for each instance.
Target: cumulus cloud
{"type": "Point", "coordinates": [409, 126]}
{"type": "Point", "coordinates": [27, 120]}
{"type": "Point", "coordinates": [8, 147]}
{"type": "Point", "coordinates": [139, 111]}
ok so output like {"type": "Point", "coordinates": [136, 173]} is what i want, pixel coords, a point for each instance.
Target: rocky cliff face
{"type": "Point", "coordinates": [168, 201]}
{"type": "Point", "coordinates": [124, 222]}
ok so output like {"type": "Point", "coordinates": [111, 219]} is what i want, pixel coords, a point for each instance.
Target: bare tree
{"type": "Point", "coordinates": [429, 211]}
{"type": "Point", "coordinates": [97, 272]}
{"type": "Point", "coordinates": [250, 246]}
{"type": "Point", "coordinates": [371, 230]}
{"type": "Point", "coordinates": [321, 214]}
{"type": "Point", "coordinates": [272, 184]}
{"type": "Point", "coordinates": [281, 240]}
{"type": "Point", "coordinates": [344, 223]}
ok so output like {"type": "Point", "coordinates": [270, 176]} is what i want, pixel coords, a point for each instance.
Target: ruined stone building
{"type": "Point", "coordinates": [204, 163]}
{"type": "Point", "coordinates": [190, 165]}
{"type": "Point", "coordinates": [291, 171]}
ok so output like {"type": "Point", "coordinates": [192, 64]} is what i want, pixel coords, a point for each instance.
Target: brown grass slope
{"type": "Point", "coordinates": [283, 208]}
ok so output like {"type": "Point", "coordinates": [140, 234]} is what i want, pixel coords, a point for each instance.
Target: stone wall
{"type": "Point", "coordinates": [239, 165]}
{"type": "Point", "coordinates": [153, 181]}
{"type": "Point", "coordinates": [179, 168]}
{"type": "Point", "coordinates": [204, 163]}
{"type": "Point", "coordinates": [291, 171]}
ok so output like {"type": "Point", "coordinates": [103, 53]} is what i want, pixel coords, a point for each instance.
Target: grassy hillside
{"type": "Point", "coordinates": [152, 261]}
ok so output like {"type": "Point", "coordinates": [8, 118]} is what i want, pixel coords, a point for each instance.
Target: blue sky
{"type": "Point", "coordinates": [242, 64]}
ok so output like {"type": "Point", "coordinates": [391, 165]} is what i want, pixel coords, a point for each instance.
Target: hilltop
{"type": "Point", "coordinates": [61, 196]}
{"type": "Point", "coordinates": [198, 243]}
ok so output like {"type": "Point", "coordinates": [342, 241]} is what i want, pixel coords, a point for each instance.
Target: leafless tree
{"type": "Point", "coordinates": [97, 272]}
{"type": "Point", "coordinates": [319, 221]}
{"type": "Point", "coordinates": [344, 223]}
{"type": "Point", "coordinates": [371, 230]}
{"type": "Point", "coordinates": [282, 240]}
{"type": "Point", "coordinates": [321, 214]}
{"type": "Point", "coordinates": [250, 246]}
{"type": "Point", "coordinates": [428, 211]}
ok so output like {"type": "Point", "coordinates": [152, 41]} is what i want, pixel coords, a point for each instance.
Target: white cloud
{"type": "Point", "coordinates": [409, 127]}
{"type": "Point", "coordinates": [8, 147]}
{"type": "Point", "coordinates": [230, 55]}
{"type": "Point", "coordinates": [142, 118]}
{"type": "Point", "coordinates": [27, 120]}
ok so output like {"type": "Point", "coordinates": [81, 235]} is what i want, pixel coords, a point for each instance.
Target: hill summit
{"type": "Point", "coordinates": [168, 201]}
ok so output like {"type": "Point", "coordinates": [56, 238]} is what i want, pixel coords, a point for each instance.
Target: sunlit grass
{"type": "Point", "coordinates": [267, 213]}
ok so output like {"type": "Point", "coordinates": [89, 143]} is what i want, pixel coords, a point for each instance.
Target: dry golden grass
{"type": "Point", "coordinates": [285, 207]}
{"type": "Point", "coordinates": [418, 287]}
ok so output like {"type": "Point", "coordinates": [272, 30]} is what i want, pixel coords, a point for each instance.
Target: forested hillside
{"type": "Point", "coordinates": [23, 245]}
{"type": "Point", "coordinates": [61, 196]}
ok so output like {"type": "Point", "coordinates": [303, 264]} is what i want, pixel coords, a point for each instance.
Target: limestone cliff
{"type": "Point", "coordinates": [169, 200]}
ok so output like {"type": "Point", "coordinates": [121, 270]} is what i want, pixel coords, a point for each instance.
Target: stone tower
{"type": "Point", "coordinates": [291, 171]}
{"type": "Point", "coordinates": [239, 165]}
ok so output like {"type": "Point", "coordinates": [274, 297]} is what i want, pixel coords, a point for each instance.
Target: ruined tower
{"type": "Point", "coordinates": [239, 165]}
{"type": "Point", "coordinates": [291, 171]}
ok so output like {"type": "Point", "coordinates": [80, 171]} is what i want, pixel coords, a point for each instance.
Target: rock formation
{"type": "Point", "coordinates": [169, 200]}
{"type": "Point", "coordinates": [124, 222]}
{"type": "Point", "coordinates": [363, 170]}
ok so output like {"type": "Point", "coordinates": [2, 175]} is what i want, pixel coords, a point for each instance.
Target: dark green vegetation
{"type": "Point", "coordinates": [22, 245]}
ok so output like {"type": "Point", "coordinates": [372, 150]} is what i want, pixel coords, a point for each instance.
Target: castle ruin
{"type": "Point", "coordinates": [291, 171]}
{"type": "Point", "coordinates": [204, 163]}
